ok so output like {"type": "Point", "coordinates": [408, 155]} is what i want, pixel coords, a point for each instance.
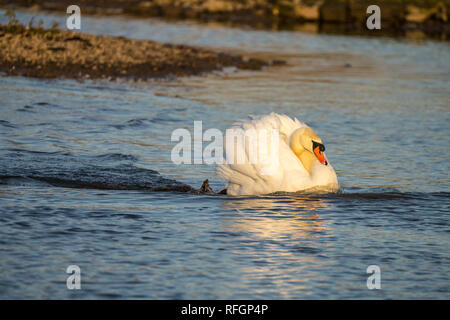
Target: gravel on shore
{"type": "Point", "coordinates": [55, 53]}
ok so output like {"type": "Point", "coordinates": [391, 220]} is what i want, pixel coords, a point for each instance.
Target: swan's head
{"type": "Point", "coordinates": [306, 139]}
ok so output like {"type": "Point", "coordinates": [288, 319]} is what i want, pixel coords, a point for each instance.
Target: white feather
{"type": "Point", "coordinates": [290, 175]}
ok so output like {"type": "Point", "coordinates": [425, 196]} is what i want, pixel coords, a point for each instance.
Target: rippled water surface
{"type": "Point", "coordinates": [86, 176]}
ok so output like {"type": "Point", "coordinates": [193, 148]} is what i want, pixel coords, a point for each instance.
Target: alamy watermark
{"type": "Point", "coordinates": [374, 281]}
{"type": "Point", "coordinates": [74, 280]}
{"type": "Point", "coordinates": [374, 20]}
{"type": "Point", "coordinates": [73, 22]}
{"type": "Point", "coordinates": [249, 146]}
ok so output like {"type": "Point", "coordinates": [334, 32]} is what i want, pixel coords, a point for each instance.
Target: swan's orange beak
{"type": "Point", "coordinates": [318, 151]}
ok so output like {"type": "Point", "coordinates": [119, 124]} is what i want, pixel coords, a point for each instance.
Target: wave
{"type": "Point", "coordinates": [117, 171]}
{"type": "Point", "coordinates": [357, 193]}
{"type": "Point", "coordinates": [112, 171]}
{"type": "Point", "coordinates": [126, 177]}
{"type": "Point", "coordinates": [383, 193]}
{"type": "Point", "coordinates": [151, 183]}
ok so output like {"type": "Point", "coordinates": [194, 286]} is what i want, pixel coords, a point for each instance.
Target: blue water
{"type": "Point", "coordinates": [86, 176]}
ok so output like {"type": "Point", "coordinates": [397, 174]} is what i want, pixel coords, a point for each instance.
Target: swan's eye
{"type": "Point", "coordinates": [317, 144]}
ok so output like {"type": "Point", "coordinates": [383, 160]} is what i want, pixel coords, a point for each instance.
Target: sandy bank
{"type": "Point", "coordinates": [50, 53]}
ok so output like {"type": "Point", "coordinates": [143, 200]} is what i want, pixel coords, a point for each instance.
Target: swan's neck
{"type": "Point", "coordinates": [307, 159]}
{"type": "Point", "coordinates": [305, 156]}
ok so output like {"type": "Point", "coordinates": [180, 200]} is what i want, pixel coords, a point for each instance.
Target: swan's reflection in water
{"type": "Point", "coordinates": [280, 235]}
{"type": "Point", "coordinates": [278, 217]}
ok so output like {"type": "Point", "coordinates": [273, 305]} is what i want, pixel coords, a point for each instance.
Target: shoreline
{"type": "Point", "coordinates": [33, 51]}
{"type": "Point", "coordinates": [399, 17]}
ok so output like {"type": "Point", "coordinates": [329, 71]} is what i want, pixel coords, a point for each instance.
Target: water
{"type": "Point", "coordinates": [86, 176]}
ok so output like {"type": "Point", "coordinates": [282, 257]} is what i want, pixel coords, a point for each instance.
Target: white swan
{"type": "Point", "coordinates": [298, 155]}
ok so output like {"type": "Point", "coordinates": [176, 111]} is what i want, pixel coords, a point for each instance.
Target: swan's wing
{"type": "Point", "coordinates": [265, 165]}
